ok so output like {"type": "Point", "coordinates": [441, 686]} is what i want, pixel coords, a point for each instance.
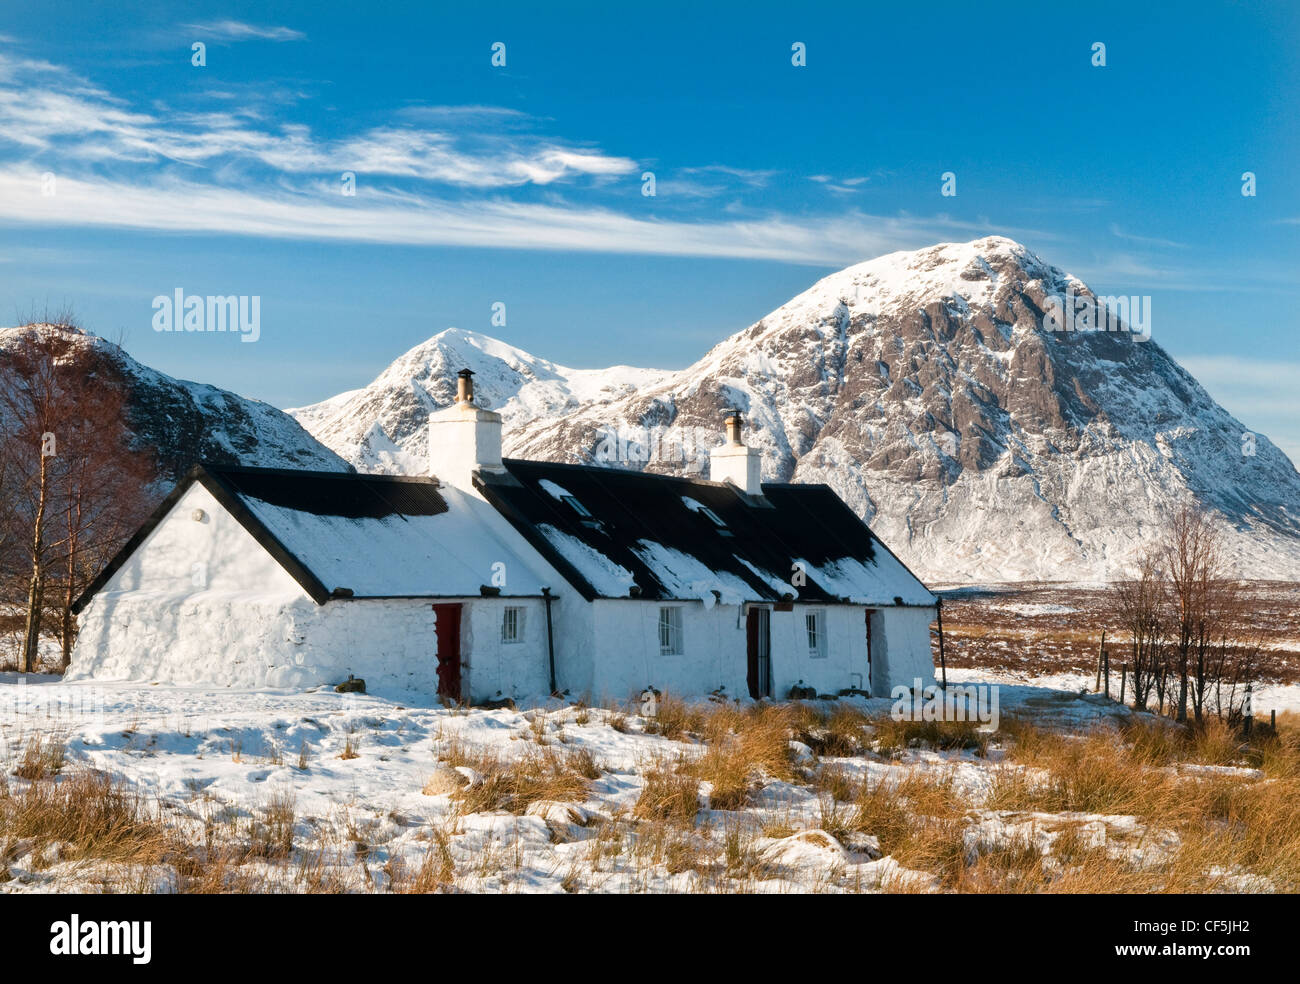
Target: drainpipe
{"type": "Point", "coordinates": [550, 635]}
{"type": "Point", "coordinates": [943, 663]}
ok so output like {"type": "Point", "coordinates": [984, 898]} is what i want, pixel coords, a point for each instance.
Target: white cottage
{"type": "Point", "coordinates": [508, 578]}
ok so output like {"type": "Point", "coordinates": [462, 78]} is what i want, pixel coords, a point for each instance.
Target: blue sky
{"type": "Point", "coordinates": [522, 184]}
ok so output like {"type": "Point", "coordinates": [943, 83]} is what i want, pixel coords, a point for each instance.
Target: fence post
{"type": "Point", "coordinates": [1105, 669]}
{"type": "Point", "coordinates": [1123, 679]}
{"type": "Point", "coordinates": [1101, 649]}
{"type": "Point", "coordinates": [1250, 708]}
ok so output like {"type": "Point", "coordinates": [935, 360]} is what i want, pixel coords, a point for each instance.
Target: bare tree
{"type": "Point", "coordinates": [29, 401]}
{"type": "Point", "coordinates": [1192, 561]}
{"type": "Point", "coordinates": [1234, 668]}
{"type": "Point", "coordinates": [75, 488]}
{"type": "Point", "coordinates": [100, 503]}
{"type": "Point", "coordinates": [1140, 603]}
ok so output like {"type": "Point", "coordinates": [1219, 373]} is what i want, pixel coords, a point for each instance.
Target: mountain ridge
{"type": "Point", "coordinates": [183, 422]}
{"type": "Point", "coordinates": [925, 387]}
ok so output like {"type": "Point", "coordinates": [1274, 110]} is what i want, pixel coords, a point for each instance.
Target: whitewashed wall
{"type": "Point", "coordinates": [503, 669]}
{"type": "Point", "coordinates": [623, 657]}
{"type": "Point", "coordinates": [234, 642]}
{"type": "Point", "coordinates": [187, 559]}
{"type": "Point", "coordinates": [201, 602]}
{"type": "Point", "coordinates": [626, 650]}
{"type": "Point", "coordinates": [901, 652]}
{"type": "Point", "coordinates": [845, 663]}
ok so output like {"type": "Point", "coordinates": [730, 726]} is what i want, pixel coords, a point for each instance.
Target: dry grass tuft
{"type": "Point", "coordinates": [42, 758]}
{"type": "Point", "coordinates": [668, 795]}
{"type": "Point", "coordinates": [437, 871]}
{"type": "Point", "coordinates": [841, 732]}
{"type": "Point", "coordinates": [744, 746]}
{"type": "Point", "coordinates": [271, 836]}
{"type": "Point", "coordinates": [89, 815]}
{"type": "Point", "coordinates": [892, 737]}
{"type": "Point", "coordinates": [542, 773]}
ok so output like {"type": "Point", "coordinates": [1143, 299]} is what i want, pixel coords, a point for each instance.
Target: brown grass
{"type": "Point", "coordinates": [436, 873]}
{"type": "Point", "coordinates": [90, 815]}
{"type": "Point", "coordinates": [43, 757]}
{"type": "Point", "coordinates": [892, 737]}
{"type": "Point", "coordinates": [668, 795]}
{"type": "Point", "coordinates": [512, 784]}
{"type": "Point", "coordinates": [744, 747]}
{"type": "Point", "coordinates": [271, 835]}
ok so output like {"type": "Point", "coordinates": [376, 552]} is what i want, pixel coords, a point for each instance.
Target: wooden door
{"type": "Point", "coordinates": [758, 639]}
{"type": "Point", "coordinates": [869, 687]}
{"type": "Point", "coordinates": [447, 631]}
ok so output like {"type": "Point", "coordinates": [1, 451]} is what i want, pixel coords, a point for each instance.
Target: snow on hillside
{"type": "Point", "coordinates": [923, 387]}
{"type": "Point", "coordinates": [185, 422]}
{"type": "Point", "coordinates": [382, 426]}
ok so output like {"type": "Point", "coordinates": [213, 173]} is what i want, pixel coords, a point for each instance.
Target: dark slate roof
{"type": "Point", "coordinates": [341, 534]}
{"type": "Point", "coordinates": [343, 494]}
{"type": "Point", "coordinates": [647, 537]}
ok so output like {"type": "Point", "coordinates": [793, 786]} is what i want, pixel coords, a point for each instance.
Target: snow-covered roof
{"type": "Point", "coordinates": [610, 533]}
{"type": "Point", "coordinates": [620, 534]}
{"type": "Point", "coordinates": [364, 536]}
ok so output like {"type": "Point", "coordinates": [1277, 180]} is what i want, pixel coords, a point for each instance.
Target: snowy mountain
{"type": "Point", "coordinates": [185, 422]}
{"type": "Point", "coordinates": [925, 389]}
{"type": "Point", "coordinates": [383, 426]}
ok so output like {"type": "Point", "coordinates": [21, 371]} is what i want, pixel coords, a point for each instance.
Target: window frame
{"type": "Point", "coordinates": [815, 633]}
{"type": "Point", "coordinates": [519, 613]}
{"type": "Point", "coordinates": [671, 620]}
{"type": "Point", "coordinates": [572, 502]}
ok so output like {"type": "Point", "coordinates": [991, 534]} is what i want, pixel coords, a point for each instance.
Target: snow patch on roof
{"type": "Point", "coordinates": [685, 577]}
{"type": "Point", "coordinates": [693, 504]}
{"type": "Point", "coordinates": [608, 578]}
{"type": "Point", "coordinates": [770, 579]}
{"type": "Point", "coordinates": [451, 554]}
{"type": "Point", "coordinates": [869, 584]}
{"type": "Point", "coordinates": [558, 491]}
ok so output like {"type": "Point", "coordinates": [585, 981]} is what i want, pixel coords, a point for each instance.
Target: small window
{"type": "Point", "coordinates": [694, 505]}
{"type": "Point", "coordinates": [670, 632]}
{"type": "Point", "coordinates": [512, 625]}
{"type": "Point", "coordinates": [576, 506]}
{"type": "Point", "coordinates": [815, 622]}
{"type": "Point", "coordinates": [714, 518]}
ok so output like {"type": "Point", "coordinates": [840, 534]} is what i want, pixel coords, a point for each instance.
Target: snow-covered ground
{"type": "Point", "coordinates": [373, 797]}
{"type": "Point", "coordinates": [1268, 697]}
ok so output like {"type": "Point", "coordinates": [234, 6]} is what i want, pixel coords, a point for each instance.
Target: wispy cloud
{"type": "Point", "coordinates": [233, 30]}
{"type": "Point", "coordinates": [432, 178]}
{"type": "Point", "coordinates": [405, 218]}
{"type": "Point", "coordinates": [713, 181]}
{"type": "Point", "coordinates": [1119, 233]}
{"type": "Point", "coordinates": [840, 186]}
{"type": "Point", "coordinates": [44, 111]}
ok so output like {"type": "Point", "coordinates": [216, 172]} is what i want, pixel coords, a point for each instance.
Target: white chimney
{"type": "Point", "coordinates": [735, 463]}
{"type": "Point", "coordinates": [464, 438]}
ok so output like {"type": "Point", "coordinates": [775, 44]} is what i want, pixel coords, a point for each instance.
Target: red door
{"type": "Point", "coordinates": [447, 631]}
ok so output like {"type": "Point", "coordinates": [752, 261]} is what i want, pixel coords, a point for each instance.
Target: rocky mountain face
{"type": "Point", "coordinates": [183, 422]}
{"type": "Point", "coordinates": [926, 388]}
